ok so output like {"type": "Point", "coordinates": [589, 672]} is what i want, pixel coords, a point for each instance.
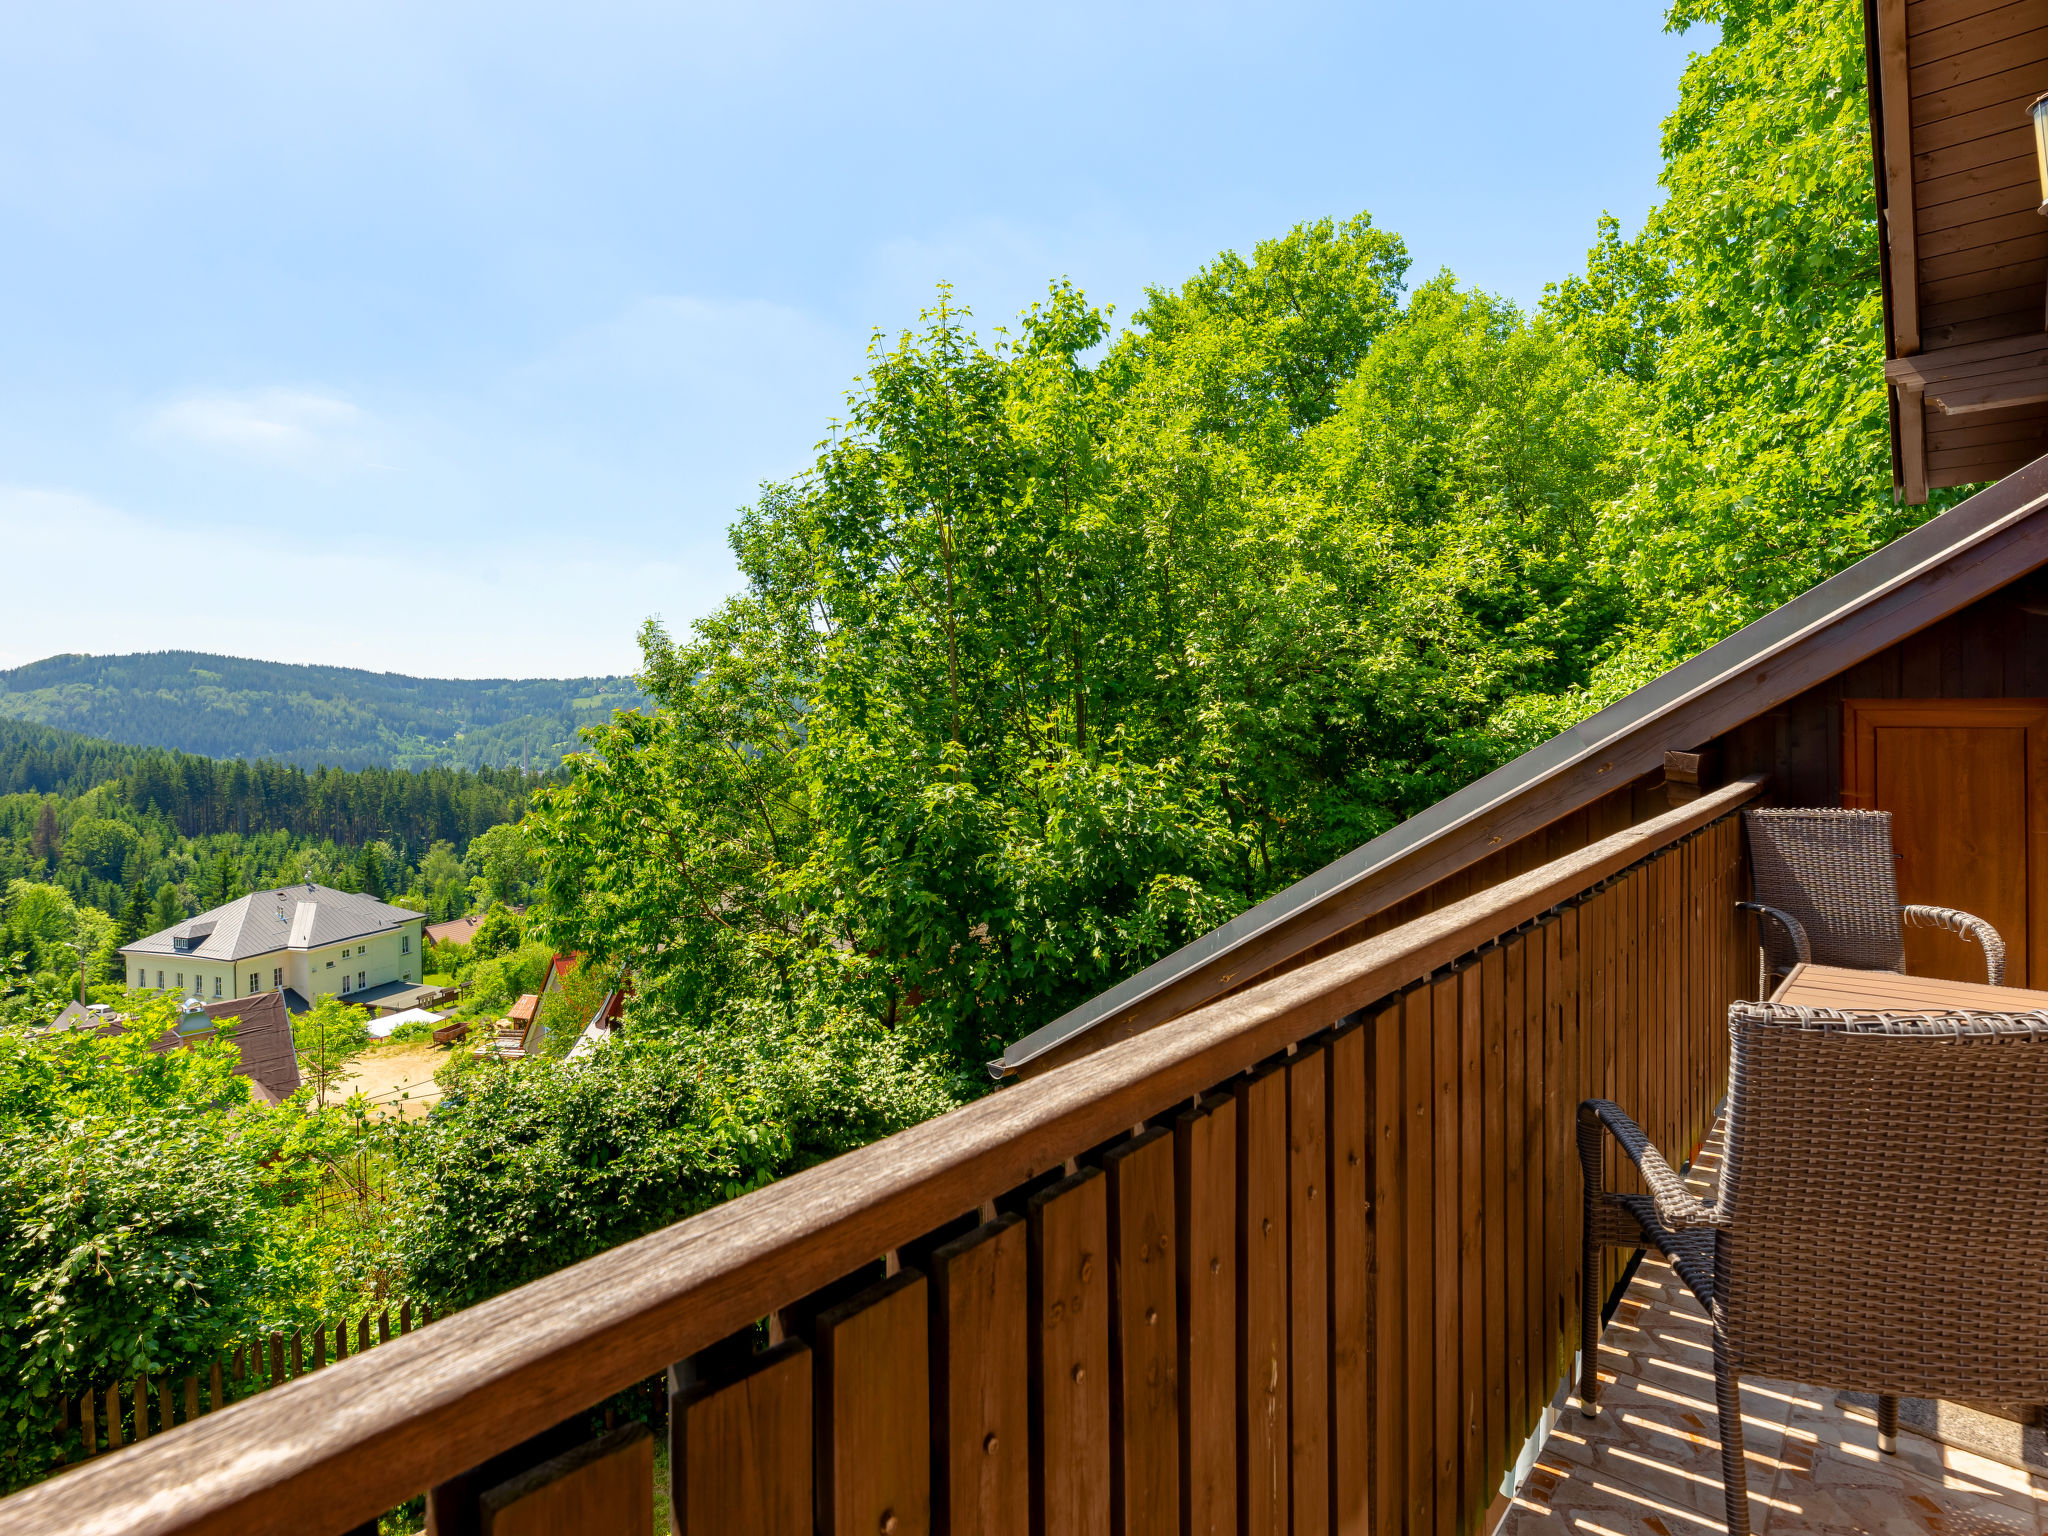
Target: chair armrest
{"type": "Point", "coordinates": [1968, 927]}
{"type": "Point", "coordinates": [1677, 1206]}
{"type": "Point", "coordinates": [1802, 947]}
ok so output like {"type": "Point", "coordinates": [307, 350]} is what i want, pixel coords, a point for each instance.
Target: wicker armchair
{"type": "Point", "coordinates": [1827, 882]}
{"type": "Point", "coordinates": [1882, 1218]}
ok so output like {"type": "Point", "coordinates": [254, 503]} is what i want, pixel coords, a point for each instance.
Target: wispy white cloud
{"type": "Point", "coordinates": [277, 426]}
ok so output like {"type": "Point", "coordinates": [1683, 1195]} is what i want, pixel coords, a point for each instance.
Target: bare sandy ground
{"type": "Point", "coordinates": [398, 1078]}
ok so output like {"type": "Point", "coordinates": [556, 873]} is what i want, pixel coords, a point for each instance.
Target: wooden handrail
{"type": "Point", "coordinates": [365, 1435]}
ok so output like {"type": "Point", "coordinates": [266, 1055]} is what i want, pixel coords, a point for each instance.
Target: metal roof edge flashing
{"type": "Point", "coordinates": [1906, 558]}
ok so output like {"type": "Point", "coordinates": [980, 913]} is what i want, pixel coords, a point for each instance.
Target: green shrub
{"type": "Point", "coordinates": [527, 1168]}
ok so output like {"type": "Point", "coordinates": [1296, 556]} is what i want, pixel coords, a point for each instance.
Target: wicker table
{"type": "Point", "coordinates": [1830, 986]}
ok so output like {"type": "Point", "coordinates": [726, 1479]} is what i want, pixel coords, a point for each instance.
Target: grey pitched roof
{"type": "Point", "coordinates": [285, 917]}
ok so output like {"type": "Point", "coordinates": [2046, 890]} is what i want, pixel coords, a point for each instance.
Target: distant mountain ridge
{"type": "Point", "coordinates": [231, 707]}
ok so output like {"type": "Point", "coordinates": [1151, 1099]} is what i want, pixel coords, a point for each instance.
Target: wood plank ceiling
{"type": "Point", "coordinates": [1966, 275]}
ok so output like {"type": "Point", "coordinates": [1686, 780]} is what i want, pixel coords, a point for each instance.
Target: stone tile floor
{"type": "Point", "coordinates": [1650, 1465]}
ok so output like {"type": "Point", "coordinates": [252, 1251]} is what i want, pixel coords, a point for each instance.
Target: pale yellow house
{"type": "Point", "coordinates": [302, 940]}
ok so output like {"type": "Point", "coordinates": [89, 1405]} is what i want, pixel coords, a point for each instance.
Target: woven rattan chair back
{"type": "Point", "coordinates": [1883, 1204]}
{"type": "Point", "coordinates": [1833, 871]}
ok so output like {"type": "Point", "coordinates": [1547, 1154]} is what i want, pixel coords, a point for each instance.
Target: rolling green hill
{"type": "Point", "coordinates": [227, 707]}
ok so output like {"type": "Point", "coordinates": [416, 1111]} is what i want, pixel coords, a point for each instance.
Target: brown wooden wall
{"type": "Point", "coordinates": [1330, 1295]}
{"type": "Point", "coordinates": [1968, 252]}
{"type": "Point", "coordinates": [1994, 649]}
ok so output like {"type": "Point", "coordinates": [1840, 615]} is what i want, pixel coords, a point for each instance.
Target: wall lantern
{"type": "Point", "coordinates": [2038, 110]}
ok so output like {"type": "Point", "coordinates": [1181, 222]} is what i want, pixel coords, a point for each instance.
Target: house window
{"type": "Point", "coordinates": [408, 975]}
{"type": "Point", "coordinates": [159, 981]}
{"type": "Point", "coordinates": [216, 986]}
{"type": "Point", "coordinates": [255, 982]}
{"type": "Point", "coordinates": [181, 979]}
{"type": "Point", "coordinates": [405, 944]}
{"type": "Point", "coordinates": [344, 983]}
{"type": "Point", "coordinates": [277, 977]}
{"type": "Point", "coordinates": [360, 975]}
{"type": "Point", "coordinates": [330, 965]}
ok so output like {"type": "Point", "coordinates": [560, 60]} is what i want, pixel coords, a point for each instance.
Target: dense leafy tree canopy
{"type": "Point", "coordinates": [1074, 642]}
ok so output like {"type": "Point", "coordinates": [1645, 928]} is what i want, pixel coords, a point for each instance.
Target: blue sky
{"type": "Point", "coordinates": [447, 339]}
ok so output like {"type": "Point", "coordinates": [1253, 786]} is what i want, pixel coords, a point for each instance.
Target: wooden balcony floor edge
{"type": "Point", "coordinates": [1650, 1465]}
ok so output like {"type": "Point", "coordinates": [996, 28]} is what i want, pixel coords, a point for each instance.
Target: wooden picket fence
{"type": "Point", "coordinates": [119, 1413]}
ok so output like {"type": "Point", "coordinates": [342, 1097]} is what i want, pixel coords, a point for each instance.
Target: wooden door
{"type": "Point", "coordinates": [1966, 781]}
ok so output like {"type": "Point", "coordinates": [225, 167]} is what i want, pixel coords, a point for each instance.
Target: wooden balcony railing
{"type": "Point", "coordinates": [1304, 1260]}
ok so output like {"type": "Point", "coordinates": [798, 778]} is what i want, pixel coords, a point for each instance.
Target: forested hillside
{"type": "Point", "coordinates": [144, 837]}
{"type": "Point", "coordinates": [338, 717]}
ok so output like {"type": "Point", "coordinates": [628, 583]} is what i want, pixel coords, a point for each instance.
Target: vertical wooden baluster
{"type": "Point", "coordinates": [215, 1386]}
{"type": "Point", "coordinates": [405, 1316]}
{"type": "Point", "coordinates": [740, 1450]}
{"type": "Point", "coordinates": [1534, 1134]}
{"type": "Point", "coordinates": [1445, 1450]}
{"type": "Point", "coordinates": [1068, 1229]}
{"type": "Point", "coordinates": [1417, 1402]}
{"type": "Point", "coordinates": [163, 1404]}
{"type": "Point", "coordinates": [141, 1397]}
{"type": "Point", "coordinates": [1514, 1196]}
{"type": "Point", "coordinates": [384, 1326]}
{"type": "Point", "coordinates": [1308, 1293]}
{"type": "Point", "coordinates": [88, 1405]}
{"type": "Point", "coordinates": [319, 1345]}
{"type": "Point", "coordinates": [276, 1358]}
{"type": "Point", "coordinates": [981, 1406]}
{"type": "Point", "coordinates": [1205, 1198]}
{"type": "Point", "coordinates": [114, 1416]}
{"type": "Point", "coordinates": [298, 1355]}
{"type": "Point", "coordinates": [363, 1333]}
{"type": "Point", "coordinates": [872, 1407]}
{"type": "Point", "coordinates": [1388, 1295]}
{"type": "Point", "coordinates": [1474, 1491]}
{"type": "Point", "coordinates": [1145, 1338]}
{"type": "Point", "coordinates": [1500, 1444]}
{"type": "Point", "coordinates": [1262, 1380]}
{"type": "Point", "coordinates": [1347, 1115]}
{"type": "Point", "coordinates": [341, 1341]}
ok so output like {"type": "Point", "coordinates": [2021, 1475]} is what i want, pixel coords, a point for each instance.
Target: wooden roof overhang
{"type": "Point", "coordinates": [1965, 255]}
{"type": "Point", "coordinates": [1947, 563]}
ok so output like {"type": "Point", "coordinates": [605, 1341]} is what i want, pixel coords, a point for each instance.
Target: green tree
{"type": "Point", "coordinates": [101, 847]}
{"type": "Point", "coordinates": [167, 910]}
{"type": "Point", "coordinates": [1750, 306]}
{"type": "Point", "coordinates": [499, 932]}
{"type": "Point", "coordinates": [46, 841]}
{"type": "Point", "coordinates": [503, 858]}
{"type": "Point", "coordinates": [369, 873]}
{"type": "Point", "coordinates": [329, 1037]}
{"type": "Point", "coordinates": [134, 919]}
{"type": "Point", "coordinates": [223, 881]}
{"type": "Point", "coordinates": [130, 1232]}
{"type": "Point", "coordinates": [1046, 666]}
